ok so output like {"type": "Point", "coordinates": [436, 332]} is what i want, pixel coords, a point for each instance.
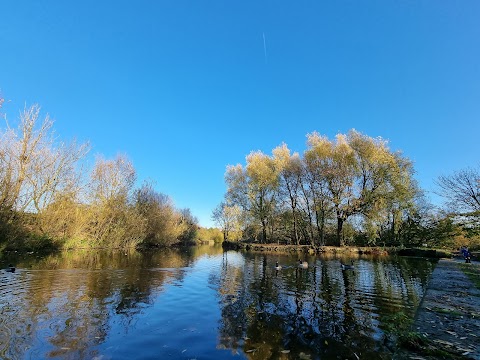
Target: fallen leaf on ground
{"type": "Point", "coordinates": [304, 356]}
{"type": "Point", "coordinates": [443, 342]}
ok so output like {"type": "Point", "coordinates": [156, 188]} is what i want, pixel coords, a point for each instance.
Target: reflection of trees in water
{"type": "Point", "coordinates": [233, 300]}
{"type": "Point", "coordinates": [65, 311]}
{"type": "Point", "coordinates": [403, 280]}
{"type": "Point", "coordinates": [321, 311]}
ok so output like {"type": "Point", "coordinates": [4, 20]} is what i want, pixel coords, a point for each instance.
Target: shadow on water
{"type": "Point", "coordinates": [204, 303]}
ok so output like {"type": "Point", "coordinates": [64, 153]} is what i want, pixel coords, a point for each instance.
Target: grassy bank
{"type": "Point", "coordinates": [310, 249]}
{"type": "Point", "coordinates": [473, 272]}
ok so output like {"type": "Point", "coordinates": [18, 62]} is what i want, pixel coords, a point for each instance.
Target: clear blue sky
{"type": "Point", "coordinates": [185, 88]}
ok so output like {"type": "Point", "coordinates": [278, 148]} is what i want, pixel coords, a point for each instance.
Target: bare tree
{"type": "Point", "coordinates": [461, 190]}
{"type": "Point", "coordinates": [32, 167]}
{"type": "Point", "coordinates": [226, 217]}
{"type": "Point", "coordinates": [112, 180]}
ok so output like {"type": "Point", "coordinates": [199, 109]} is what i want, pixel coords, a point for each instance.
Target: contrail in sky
{"type": "Point", "coordinates": [265, 47]}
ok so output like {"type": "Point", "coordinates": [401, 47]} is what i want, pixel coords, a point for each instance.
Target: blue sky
{"type": "Point", "coordinates": [185, 88]}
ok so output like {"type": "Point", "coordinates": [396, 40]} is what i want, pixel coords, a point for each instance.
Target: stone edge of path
{"type": "Point", "coordinates": [449, 313]}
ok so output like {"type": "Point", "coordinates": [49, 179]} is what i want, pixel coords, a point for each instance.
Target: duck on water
{"type": "Point", "coordinates": [347, 266]}
{"type": "Point", "coordinates": [302, 264]}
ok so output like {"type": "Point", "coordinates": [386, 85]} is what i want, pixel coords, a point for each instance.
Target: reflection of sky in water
{"type": "Point", "coordinates": [211, 305]}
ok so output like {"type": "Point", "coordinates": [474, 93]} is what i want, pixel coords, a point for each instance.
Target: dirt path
{"type": "Point", "coordinates": [448, 316]}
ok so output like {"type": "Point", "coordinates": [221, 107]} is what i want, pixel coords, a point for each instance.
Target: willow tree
{"type": "Point", "coordinates": [384, 179]}
{"type": "Point", "coordinates": [253, 188]}
{"type": "Point", "coordinates": [386, 190]}
{"type": "Point", "coordinates": [403, 200]}
{"type": "Point", "coordinates": [289, 167]}
{"type": "Point", "coordinates": [317, 165]}
{"type": "Point", "coordinates": [336, 164]}
{"type": "Point", "coordinates": [361, 174]}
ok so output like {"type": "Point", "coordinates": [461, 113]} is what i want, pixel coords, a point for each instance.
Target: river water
{"type": "Point", "coordinates": [203, 303]}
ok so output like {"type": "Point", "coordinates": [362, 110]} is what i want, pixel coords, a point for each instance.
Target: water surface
{"type": "Point", "coordinates": [204, 303]}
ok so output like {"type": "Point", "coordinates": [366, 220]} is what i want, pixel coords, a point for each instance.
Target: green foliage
{"type": "Point", "coordinates": [353, 185]}
{"type": "Point", "coordinates": [161, 218]}
{"type": "Point", "coordinates": [353, 191]}
{"type": "Point", "coordinates": [412, 340]}
{"type": "Point", "coordinates": [188, 226]}
{"type": "Point", "coordinates": [33, 242]}
{"type": "Point", "coordinates": [473, 273]}
{"type": "Point", "coordinates": [205, 235]}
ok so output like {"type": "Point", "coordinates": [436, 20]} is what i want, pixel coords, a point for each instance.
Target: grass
{"type": "Point", "coordinates": [447, 311]}
{"type": "Point", "coordinates": [473, 273]}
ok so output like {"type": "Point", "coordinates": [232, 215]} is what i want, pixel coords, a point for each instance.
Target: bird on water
{"type": "Point", "coordinates": [302, 264]}
{"type": "Point", "coordinates": [347, 267]}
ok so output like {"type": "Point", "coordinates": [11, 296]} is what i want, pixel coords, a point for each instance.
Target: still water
{"type": "Point", "coordinates": [204, 303]}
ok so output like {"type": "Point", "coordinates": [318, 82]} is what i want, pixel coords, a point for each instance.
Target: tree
{"type": "Point", "coordinates": [315, 187]}
{"type": "Point", "coordinates": [403, 202]}
{"type": "Point", "coordinates": [112, 180]}
{"type": "Point", "coordinates": [113, 220]}
{"type": "Point", "coordinates": [290, 169]}
{"type": "Point", "coordinates": [36, 171]}
{"type": "Point", "coordinates": [227, 218]}
{"type": "Point", "coordinates": [42, 192]}
{"type": "Point", "coordinates": [353, 177]}
{"type": "Point", "coordinates": [53, 171]}
{"type": "Point", "coordinates": [188, 225]}
{"type": "Point", "coordinates": [361, 174]}
{"type": "Point", "coordinates": [461, 190]}
{"type": "Point", "coordinates": [253, 188]}
{"type": "Point", "coordinates": [8, 173]}
{"type": "Point", "coordinates": [159, 213]}
{"type": "Point", "coordinates": [336, 162]}
{"type": "Point", "coordinates": [32, 166]}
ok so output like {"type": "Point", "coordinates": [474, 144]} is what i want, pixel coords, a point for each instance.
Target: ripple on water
{"type": "Point", "coordinates": [228, 301]}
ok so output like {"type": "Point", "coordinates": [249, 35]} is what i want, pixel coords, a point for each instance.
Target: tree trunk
{"type": "Point", "coordinates": [338, 241]}
{"type": "Point", "coordinates": [322, 229]}
{"type": "Point", "coordinates": [393, 227]}
{"type": "Point", "coordinates": [264, 232]}
{"type": "Point", "coordinates": [309, 214]}
{"type": "Point", "coordinates": [295, 231]}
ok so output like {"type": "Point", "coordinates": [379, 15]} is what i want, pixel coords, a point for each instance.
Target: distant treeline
{"type": "Point", "coordinates": [352, 190]}
{"type": "Point", "coordinates": [48, 199]}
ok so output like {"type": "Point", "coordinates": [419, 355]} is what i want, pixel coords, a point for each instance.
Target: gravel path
{"type": "Point", "coordinates": [449, 315]}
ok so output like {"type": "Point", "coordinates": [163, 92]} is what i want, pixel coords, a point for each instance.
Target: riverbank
{"type": "Point", "coordinates": [340, 250]}
{"type": "Point", "coordinates": [447, 324]}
